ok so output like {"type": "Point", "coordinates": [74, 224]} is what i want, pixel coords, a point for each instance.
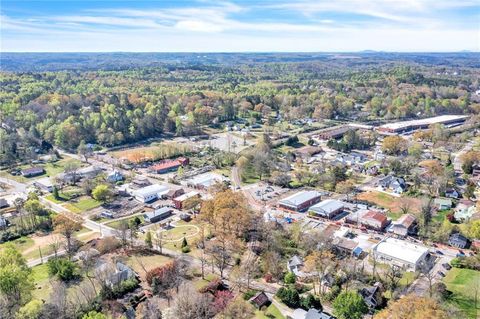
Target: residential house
{"type": "Point", "coordinates": [3, 222]}
{"type": "Point", "coordinates": [344, 246]}
{"type": "Point", "coordinates": [44, 184]}
{"type": "Point", "coordinates": [114, 176]}
{"type": "Point", "coordinates": [393, 183]}
{"type": "Point", "coordinates": [328, 208]}
{"type": "Point", "coordinates": [476, 170]}
{"type": "Point", "coordinates": [174, 192]}
{"type": "Point", "coordinates": [452, 193]}
{"type": "Point", "coordinates": [114, 273]}
{"type": "Point", "coordinates": [32, 171]}
{"type": "Point", "coordinates": [295, 265]}
{"type": "Point", "coordinates": [404, 226]}
{"type": "Point", "coordinates": [443, 203]}
{"type": "Point", "coordinates": [372, 295]}
{"type": "Point", "coordinates": [368, 218]}
{"type": "Point", "coordinates": [312, 313]}
{"type": "Point", "coordinates": [260, 300]}
{"type": "Point", "coordinates": [464, 210]}
{"type": "Point", "coordinates": [458, 240]}
{"type": "Point", "coordinates": [157, 215]}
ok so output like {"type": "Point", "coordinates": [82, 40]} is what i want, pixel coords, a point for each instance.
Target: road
{"type": "Point", "coordinates": [457, 161]}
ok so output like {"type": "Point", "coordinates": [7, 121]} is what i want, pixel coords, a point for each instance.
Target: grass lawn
{"type": "Point", "coordinates": [407, 278]}
{"type": "Point", "coordinates": [116, 223]}
{"type": "Point", "coordinates": [271, 312]}
{"type": "Point", "coordinates": [149, 262]}
{"type": "Point", "coordinates": [83, 204]}
{"type": "Point", "coordinates": [62, 198]}
{"type": "Point", "coordinates": [463, 283]}
{"type": "Point", "coordinates": [21, 244]}
{"type": "Point", "coordinates": [440, 216]}
{"type": "Point", "coordinates": [392, 203]}
{"type": "Point", "coordinates": [41, 281]}
{"type": "Point", "coordinates": [249, 176]}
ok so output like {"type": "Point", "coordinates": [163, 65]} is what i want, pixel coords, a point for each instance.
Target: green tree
{"type": "Point", "coordinates": [148, 239]}
{"type": "Point", "coordinates": [184, 242]}
{"type": "Point", "coordinates": [102, 193]}
{"type": "Point", "coordinates": [94, 315]}
{"type": "Point", "coordinates": [65, 269]}
{"type": "Point", "coordinates": [15, 281]}
{"type": "Point", "coordinates": [349, 305]}
{"type": "Point", "coordinates": [289, 278]}
{"type": "Point", "coordinates": [56, 195]}
{"type": "Point", "coordinates": [31, 310]}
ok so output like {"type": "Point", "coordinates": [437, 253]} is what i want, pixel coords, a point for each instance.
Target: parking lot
{"type": "Point", "coordinates": [265, 193]}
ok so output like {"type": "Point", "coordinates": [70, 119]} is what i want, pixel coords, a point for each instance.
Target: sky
{"type": "Point", "coordinates": [239, 26]}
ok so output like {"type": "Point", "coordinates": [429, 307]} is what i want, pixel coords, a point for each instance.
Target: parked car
{"type": "Point", "coordinates": [447, 266]}
{"type": "Point", "coordinates": [441, 274]}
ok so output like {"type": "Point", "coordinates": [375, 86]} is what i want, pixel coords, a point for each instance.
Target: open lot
{"type": "Point", "coordinates": [392, 204]}
{"type": "Point", "coordinates": [153, 152]}
{"type": "Point", "coordinates": [82, 204]}
{"type": "Point", "coordinates": [464, 285]}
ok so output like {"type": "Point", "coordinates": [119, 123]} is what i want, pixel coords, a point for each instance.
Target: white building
{"type": "Point", "coordinates": [150, 193]}
{"type": "Point", "coordinates": [410, 256]}
{"type": "Point", "coordinates": [328, 208]}
{"type": "Point", "coordinates": [44, 184]}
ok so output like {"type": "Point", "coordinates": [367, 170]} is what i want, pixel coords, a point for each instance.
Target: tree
{"type": "Point", "coordinates": [394, 145]}
{"type": "Point", "coordinates": [290, 278]}
{"type": "Point", "coordinates": [413, 307]}
{"type": "Point", "coordinates": [55, 193]}
{"type": "Point", "coordinates": [320, 261]}
{"type": "Point", "coordinates": [31, 310]}
{"type": "Point", "coordinates": [94, 315]}
{"type": "Point", "coordinates": [65, 269]}
{"type": "Point", "coordinates": [148, 239]}
{"type": "Point", "coordinates": [102, 193]}
{"type": "Point", "coordinates": [71, 169]}
{"type": "Point", "coordinates": [83, 150]}
{"type": "Point", "coordinates": [189, 303]}
{"type": "Point", "coordinates": [289, 296]}
{"type": "Point", "coordinates": [349, 305]}
{"type": "Point", "coordinates": [238, 309]}
{"type": "Point", "coordinates": [67, 227]}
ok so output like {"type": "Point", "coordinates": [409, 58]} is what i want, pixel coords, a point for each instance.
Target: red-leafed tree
{"type": "Point", "coordinates": [222, 299]}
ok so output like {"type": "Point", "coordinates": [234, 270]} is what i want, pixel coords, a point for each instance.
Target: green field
{"type": "Point", "coordinates": [271, 312]}
{"type": "Point", "coordinates": [82, 204]}
{"type": "Point", "coordinates": [21, 244]}
{"type": "Point", "coordinates": [463, 283]}
{"type": "Point", "coordinates": [41, 280]}
{"type": "Point", "coordinates": [116, 223]}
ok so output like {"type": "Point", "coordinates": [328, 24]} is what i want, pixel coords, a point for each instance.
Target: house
{"type": "Point", "coordinates": [395, 184]}
{"type": "Point", "coordinates": [174, 192]}
{"type": "Point", "coordinates": [3, 222]}
{"type": "Point", "coordinates": [157, 215]}
{"type": "Point", "coordinates": [3, 203]}
{"type": "Point", "coordinates": [351, 159]}
{"type": "Point", "coordinates": [44, 184]}
{"type": "Point", "coordinates": [328, 208]}
{"type": "Point", "coordinates": [443, 203]}
{"type": "Point", "coordinates": [458, 240]}
{"type": "Point", "coordinates": [107, 214]}
{"type": "Point", "coordinates": [368, 218]}
{"type": "Point", "coordinates": [32, 171]}
{"type": "Point", "coordinates": [372, 295]}
{"type": "Point", "coordinates": [476, 170]}
{"type": "Point", "coordinates": [452, 193]}
{"type": "Point", "coordinates": [295, 265]}
{"type": "Point", "coordinates": [300, 201]}
{"type": "Point", "coordinates": [178, 201]}
{"type": "Point", "coordinates": [114, 274]}
{"type": "Point", "coordinates": [312, 313]}
{"type": "Point", "coordinates": [410, 256]}
{"type": "Point", "coordinates": [114, 176]}
{"type": "Point", "coordinates": [139, 182]}
{"type": "Point", "coordinates": [150, 193]}
{"type": "Point", "coordinates": [404, 226]}
{"type": "Point", "coordinates": [169, 165]}
{"type": "Point", "coordinates": [464, 210]}
{"type": "Point", "coordinates": [260, 300]}
{"type": "Point", "coordinates": [344, 246]}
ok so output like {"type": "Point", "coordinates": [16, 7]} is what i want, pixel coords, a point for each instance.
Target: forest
{"type": "Point", "coordinates": [121, 98]}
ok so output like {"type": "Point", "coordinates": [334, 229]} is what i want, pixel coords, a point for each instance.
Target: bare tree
{"type": "Point", "coordinates": [189, 303]}
{"type": "Point", "coordinates": [149, 309]}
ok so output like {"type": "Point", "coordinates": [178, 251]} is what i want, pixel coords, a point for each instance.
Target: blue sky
{"type": "Point", "coordinates": [239, 26]}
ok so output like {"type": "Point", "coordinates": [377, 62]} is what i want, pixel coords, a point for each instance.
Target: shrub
{"type": "Point", "coordinates": [65, 269]}
{"type": "Point", "coordinates": [185, 249]}
{"type": "Point", "coordinates": [310, 301]}
{"type": "Point", "coordinates": [289, 296]}
{"type": "Point", "coordinates": [290, 278]}
{"type": "Point", "coordinates": [249, 294]}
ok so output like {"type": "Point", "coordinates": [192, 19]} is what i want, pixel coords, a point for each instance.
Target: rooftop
{"type": "Point", "coordinates": [299, 198]}
{"type": "Point", "coordinates": [422, 122]}
{"type": "Point", "coordinates": [328, 205]}
{"type": "Point", "coordinates": [401, 249]}
{"type": "Point", "coordinates": [186, 196]}
{"type": "Point", "coordinates": [151, 189]}
{"type": "Point", "coordinates": [406, 220]}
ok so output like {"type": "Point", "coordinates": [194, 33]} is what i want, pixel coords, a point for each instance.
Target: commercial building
{"type": "Point", "coordinates": [157, 215]}
{"type": "Point", "coordinates": [410, 256]}
{"type": "Point", "coordinates": [150, 193]}
{"type": "Point", "coordinates": [368, 218]}
{"type": "Point", "coordinates": [178, 201]}
{"type": "Point", "coordinates": [411, 126]}
{"type": "Point", "coordinates": [328, 208]}
{"type": "Point", "coordinates": [169, 165]}
{"type": "Point", "coordinates": [205, 181]}
{"type": "Point", "coordinates": [300, 201]}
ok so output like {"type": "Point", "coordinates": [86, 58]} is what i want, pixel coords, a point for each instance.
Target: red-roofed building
{"type": "Point", "coordinates": [169, 165]}
{"type": "Point", "coordinates": [375, 220]}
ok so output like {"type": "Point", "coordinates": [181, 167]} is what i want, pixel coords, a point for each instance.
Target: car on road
{"type": "Point", "coordinates": [441, 274]}
{"type": "Point", "coordinates": [447, 266]}
{"type": "Point", "coordinates": [439, 252]}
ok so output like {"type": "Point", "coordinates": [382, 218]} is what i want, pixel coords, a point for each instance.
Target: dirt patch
{"type": "Point", "coordinates": [394, 204]}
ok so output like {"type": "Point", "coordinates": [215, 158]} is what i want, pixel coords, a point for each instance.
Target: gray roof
{"type": "Point", "coordinates": [328, 205]}
{"type": "Point", "coordinates": [158, 212]}
{"type": "Point", "coordinates": [295, 261]}
{"type": "Point", "coordinates": [299, 198]}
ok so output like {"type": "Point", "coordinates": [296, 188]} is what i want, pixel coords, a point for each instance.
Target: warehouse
{"type": "Point", "coordinates": [411, 126]}
{"type": "Point", "coordinates": [150, 193]}
{"type": "Point", "coordinates": [328, 208]}
{"type": "Point", "coordinates": [402, 253]}
{"type": "Point", "coordinates": [157, 215]}
{"type": "Point", "coordinates": [178, 201]}
{"type": "Point", "coordinates": [300, 201]}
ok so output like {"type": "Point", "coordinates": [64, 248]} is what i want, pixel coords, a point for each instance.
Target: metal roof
{"type": "Point", "coordinates": [299, 198]}
{"type": "Point", "coordinates": [151, 189]}
{"type": "Point", "coordinates": [328, 205]}
{"type": "Point", "coordinates": [400, 249]}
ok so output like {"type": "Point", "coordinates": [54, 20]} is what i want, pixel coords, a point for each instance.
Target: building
{"type": "Point", "coordinates": [368, 218]}
{"type": "Point", "coordinates": [414, 125]}
{"type": "Point", "coordinates": [335, 132]}
{"type": "Point", "coordinates": [404, 226]}
{"type": "Point", "coordinates": [443, 203]}
{"type": "Point", "coordinates": [174, 192]}
{"type": "Point", "coordinates": [260, 300]}
{"type": "Point", "coordinates": [452, 193]}
{"type": "Point", "coordinates": [393, 183]}
{"type": "Point", "coordinates": [328, 208]}
{"type": "Point", "coordinates": [3, 203]}
{"type": "Point", "coordinates": [205, 181]}
{"type": "Point", "coordinates": [295, 265]}
{"type": "Point", "coordinates": [312, 313]}
{"type": "Point", "coordinates": [150, 193]}
{"type": "Point", "coordinates": [157, 215]}
{"type": "Point", "coordinates": [344, 246]}
{"type": "Point", "coordinates": [169, 165]}
{"type": "Point", "coordinates": [114, 176]}
{"type": "Point", "coordinates": [32, 171]}
{"type": "Point", "coordinates": [410, 256]}
{"type": "Point", "coordinates": [464, 210]}
{"type": "Point", "coordinates": [178, 201]}
{"type": "Point", "coordinates": [115, 274]}
{"type": "Point", "coordinates": [44, 184]}
{"type": "Point", "coordinates": [300, 201]}
{"type": "Point", "coordinates": [372, 295]}
{"type": "Point", "coordinates": [458, 240]}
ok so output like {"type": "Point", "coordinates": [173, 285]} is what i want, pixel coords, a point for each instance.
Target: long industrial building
{"type": "Point", "coordinates": [411, 126]}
